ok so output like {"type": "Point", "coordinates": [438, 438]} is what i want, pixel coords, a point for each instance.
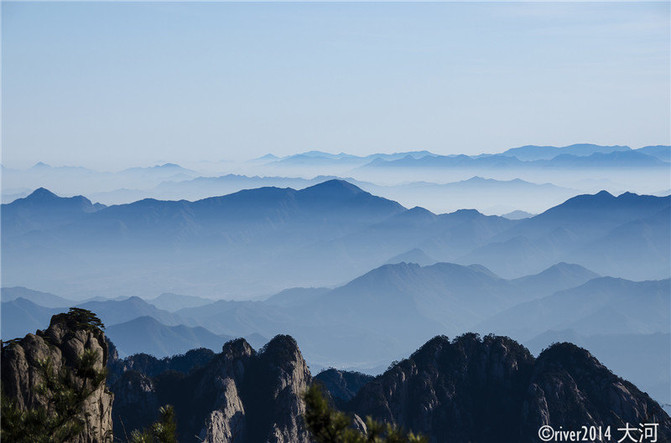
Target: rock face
{"type": "Point", "coordinates": [469, 389]}
{"type": "Point", "coordinates": [570, 388]}
{"type": "Point", "coordinates": [239, 395]}
{"type": "Point", "coordinates": [152, 366]}
{"type": "Point", "coordinates": [493, 390]}
{"type": "Point", "coordinates": [63, 344]}
{"type": "Point", "coordinates": [342, 385]}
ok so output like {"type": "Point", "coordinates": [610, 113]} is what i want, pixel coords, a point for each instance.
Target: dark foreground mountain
{"type": "Point", "coordinates": [493, 390]}
{"type": "Point", "coordinates": [342, 385]}
{"type": "Point", "coordinates": [466, 390]}
{"type": "Point", "coordinates": [239, 395]}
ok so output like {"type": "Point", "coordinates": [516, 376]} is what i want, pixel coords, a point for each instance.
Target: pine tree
{"type": "Point", "coordinates": [162, 431]}
{"type": "Point", "coordinates": [328, 425]}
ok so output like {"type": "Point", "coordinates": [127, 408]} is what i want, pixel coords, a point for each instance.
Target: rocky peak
{"type": "Point", "coordinates": [446, 388]}
{"type": "Point", "coordinates": [571, 388]}
{"type": "Point", "coordinates": [239, 395]}
{"type": "Point", "coordinates": [342, 386]}
{"type": "Point", "coordinates": [73, 344]}
{"type": "Point", "coordinates": [238, 348]}
{"type": "Point", "coordinates": [493, 390]}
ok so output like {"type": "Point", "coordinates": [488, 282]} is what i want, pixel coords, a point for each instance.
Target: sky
{"type": "Point", "coordinates": [109, 85]}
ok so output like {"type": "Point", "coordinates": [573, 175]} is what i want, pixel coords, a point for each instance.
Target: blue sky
{"type": "Point", "coordinates": [110, 85]}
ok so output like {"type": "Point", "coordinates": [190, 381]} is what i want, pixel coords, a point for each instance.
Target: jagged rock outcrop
{"type": "Point", "coordinates": [63, 346]}
{"type": "Point", "coordinates": [469, 389]}
{"type": "Point", "coordinates": [240, 395]}
{"type": "Point", "coordinates": [135, 403]}
{"type": "Point", "coordinates": [152, 366]}
{"type": "Point", "coordinates": [493, 390]}
{"type": "Point", "coordinates": [570, 388]}
{"type": "Point", "coordinates": [466, 390]}
{"type": "Point", "coordinates": [342, 386]}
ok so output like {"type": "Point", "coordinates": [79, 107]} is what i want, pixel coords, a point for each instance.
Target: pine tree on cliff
{"type": "Point", "coordinates": [163, 431]}
{"type": "Point", "coordinates": [65, 390]}
{"type": "Point", "coordinates": [328, 425]}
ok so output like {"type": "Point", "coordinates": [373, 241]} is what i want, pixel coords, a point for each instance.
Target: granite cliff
{"type": "Point", "coordinates": [494, 390]}
{"type": "Point", "coordinates": [58, 372]}
{"type": "Point", "coordinates": [239, 395]}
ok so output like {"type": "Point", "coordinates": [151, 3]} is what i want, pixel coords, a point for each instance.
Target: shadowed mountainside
{"type": "Point", "coordinates": [469, 389]}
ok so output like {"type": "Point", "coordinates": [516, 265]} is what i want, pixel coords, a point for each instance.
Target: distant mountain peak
{"type": "Point", "coordinates": [471, 212]}
{"type": "Point", "coordinates": [478, 179]}
{"type": "Point", "coordinates": [416, 255]}
{"type": "Point", "coordinates": [517, 215]}
{"type": "Point", "coordinates": [334, 185]}
{"type": "Point", "coordinates": [135, 299]}
{"type": "Point", "coordinates": [416, 213]}
{"type": "Point", "coordinates": [42, 194]}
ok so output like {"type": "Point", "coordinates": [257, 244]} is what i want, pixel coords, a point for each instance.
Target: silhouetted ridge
{"type": "Point", "coordinates": [570, 386]}
{"type": "Point", "coordinates": [41, 194]}
{"type": "Point", "coordinates": [333, 188]}
{"type": "Point", "coordinates": [488, 389]}
{"type": "Point", "coordinates": [604, 200]}
{"type": "Point", "coordinates": [493, 390]}
{"type": "Point", "coordinates": [237, 348]}
{"type": "Point", "coordinates": [415, 214]}
{"type": "Point", "coordinates": [470, 389]}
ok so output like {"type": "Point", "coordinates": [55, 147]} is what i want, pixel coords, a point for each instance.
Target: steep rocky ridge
{"type": "Point", "coordinates": [342, 385]}
{"type": "Point", "coordinates": [239, 395]}
{"type": "Point", "coordinates": [469, 389]}
{"type": "Point", "coordinates": [493, 390]}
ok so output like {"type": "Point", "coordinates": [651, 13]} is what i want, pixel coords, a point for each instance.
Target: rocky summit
{"type": "Point", "coordinates": [494, 390]}
{"type": "Point", "coordinates": [59, 371]}
{"type": "Point", "coordinates": [239, 395]}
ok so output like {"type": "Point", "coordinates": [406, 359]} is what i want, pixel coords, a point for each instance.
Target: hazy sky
{"type": "Point", "coordinates": [108, 85]}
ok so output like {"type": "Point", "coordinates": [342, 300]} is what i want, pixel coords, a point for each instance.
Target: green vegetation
{"type": "Point", "coordinates": [78, 318]}
{"type": "Point", "coordinates": [330, 426]}
{"type": "Point", "coordinates": [162, 431]}
{"type": "Point", "coordinates": [62, 394]}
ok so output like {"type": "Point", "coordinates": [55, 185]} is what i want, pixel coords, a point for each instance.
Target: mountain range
{"type": "Point", "coordinates": [591, 230]}
{"type": "Point", "coordinates": [356, 325]}
{"type": "Point", "coordinates": [592, 257]}
{"type": "Point", "coordinates": [579, 155]}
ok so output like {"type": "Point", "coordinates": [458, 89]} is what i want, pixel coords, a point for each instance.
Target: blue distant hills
{"type": "Point", "coordinates": [320, 235]}
{"type": "Point", "coordinates": [339, 268]}
{"type": "Point", "coordinates": [585, 155]}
